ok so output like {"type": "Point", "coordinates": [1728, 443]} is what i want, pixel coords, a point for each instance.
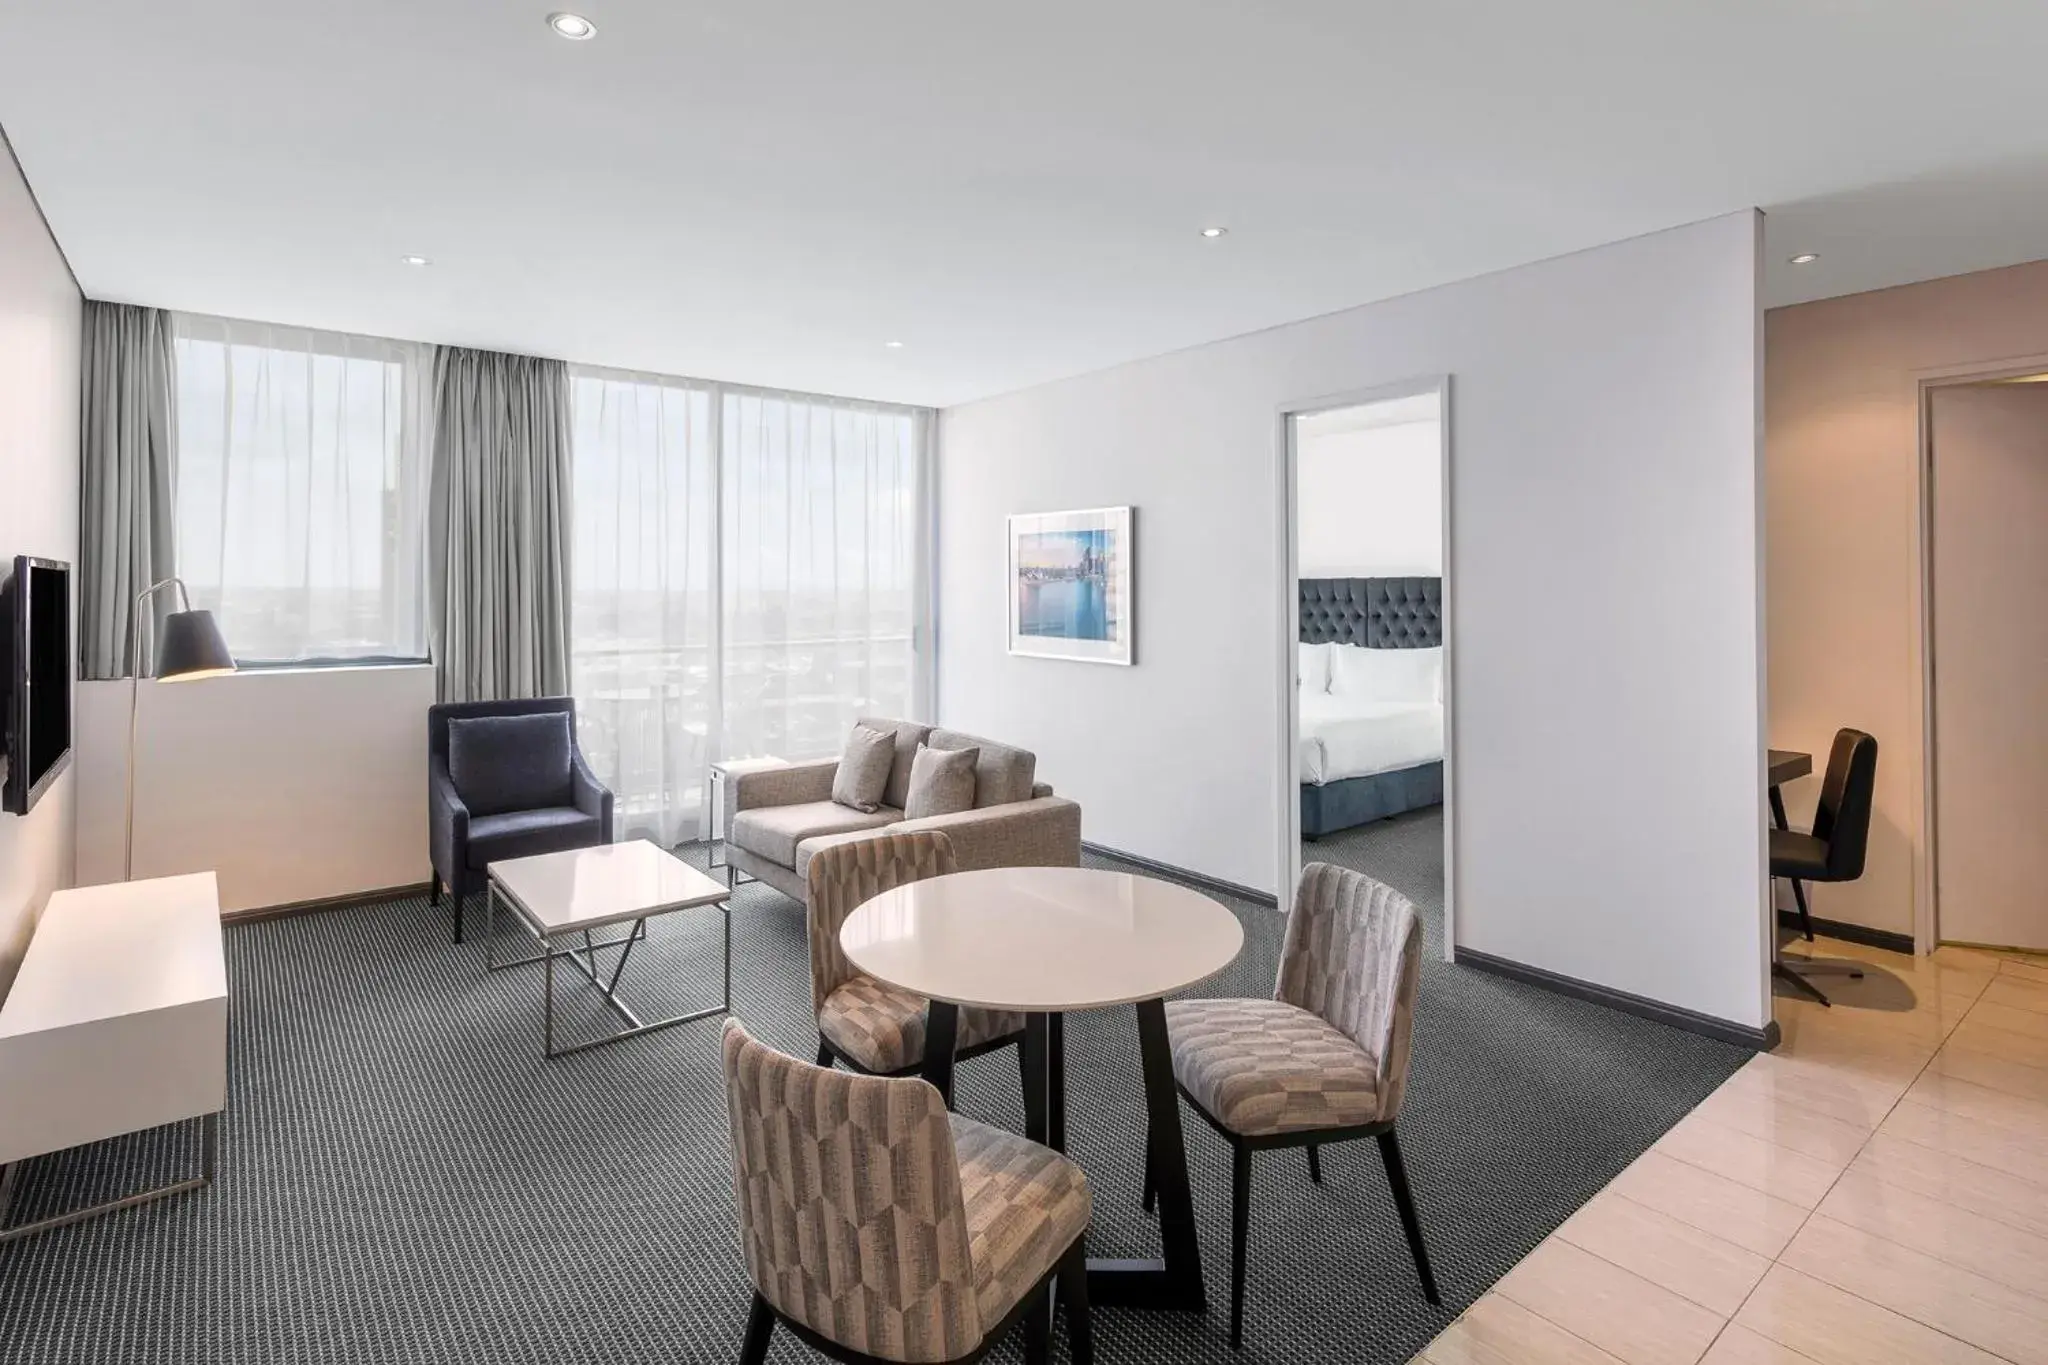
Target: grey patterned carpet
{"type": "Point", "coordinates": [404, 1179]}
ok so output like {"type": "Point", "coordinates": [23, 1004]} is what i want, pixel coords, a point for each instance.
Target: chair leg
{"type": "Point", "coordinates": [1397, 1178]}
{"type": "Point", "coordinates": [456, 891]}
{"type": "Point", "coordinates": [434, 889]}
{"type": "Point", "coordinates": [1073, 1283]}
{"type": "Point", "coordinates": [1240, 1230]}
{"type": "Point", "coordinates": [824, 1052]}
{"type": "Point", "coordinates": [760, 1328]}
{"type": "Point", "coordinates": [1799, 899]}
{"type": "Point", "coordinates": [1038, 1328]}
{"type": "Point", "coordinates": [1315, 1164]}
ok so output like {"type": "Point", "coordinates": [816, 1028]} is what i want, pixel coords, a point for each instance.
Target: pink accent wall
{"type": "Point", "coordinates": [1842, 534]}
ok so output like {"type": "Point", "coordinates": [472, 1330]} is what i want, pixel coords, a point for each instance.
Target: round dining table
{"type": "Point", "coordinates": [1045, 942]}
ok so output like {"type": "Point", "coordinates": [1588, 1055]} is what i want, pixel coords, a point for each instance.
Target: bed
{"type": "Point", "coordinates": [1366, 758]}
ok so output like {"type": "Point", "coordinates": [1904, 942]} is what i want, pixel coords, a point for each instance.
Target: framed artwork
{"type": "Point", "coordinates": [1070, 585]}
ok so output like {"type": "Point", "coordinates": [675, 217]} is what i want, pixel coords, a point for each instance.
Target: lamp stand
{"type": "Point", "coordinates": [135, 667]}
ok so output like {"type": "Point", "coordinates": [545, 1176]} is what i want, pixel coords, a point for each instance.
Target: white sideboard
{"type": "Point", "coordinates": [117, 1022]}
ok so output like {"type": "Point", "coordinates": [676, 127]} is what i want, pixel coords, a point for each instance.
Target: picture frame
{"type": "Point", "coordinates": [1071, 585]}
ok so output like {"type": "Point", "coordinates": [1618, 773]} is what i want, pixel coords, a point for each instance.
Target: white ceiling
{"type": "Point", "coordinates": [766, 191]}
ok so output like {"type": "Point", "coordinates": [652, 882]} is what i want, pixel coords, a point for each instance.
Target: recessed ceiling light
{"type": "Point", "coordinates": [414, 260]}
{"type": "Point", "coordinates": [1806, 258]}
{"type": "Point", "coordinates": [1214, 232]}
{"type": "Point", "coordinates": [893, 345]}
{"type": "Point", "coordinates": [572, 26]}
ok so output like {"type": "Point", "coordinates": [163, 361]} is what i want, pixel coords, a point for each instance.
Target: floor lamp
{"type": "Point", "coordinates": [192, 648]}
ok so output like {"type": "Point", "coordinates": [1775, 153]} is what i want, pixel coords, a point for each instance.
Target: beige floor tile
{"type": "Point", "coordinates": [2032, 969]}
{"type": "Point", "coordinates": [1620, 1312]}
{"type": "Point", "coordinates": [1779, 1083]}
{"type": "Point", "coordinates": [1996, 1108]}
{"type": "Point", "coordinates": [1992, 1072]}
{"type": "Point", "coordinates": [1773, 1117]}
{"type": "Point", "coordinates": [1978, 1033]}
{"type": "Point", "coordinates": [1728, 1209]}
{"type": "Point", "coordinates": [2012, 1018]}
{"type": "Point", "coordinates": [1869, 1057]}
{"type": "Point", "coordinates": [2015, 993]}
{"type": "Point", "coordinates": [1498, 1331]}
{"type": "Point", "coordinates": [1737, 1345]}
{"type": "Point", "coordinates": [1992, 1191]}
{"type": "Point", "coordinates": [1965, 1305]}
{"type": "Point", "coordinates": [1761, 1165]}
{"type": "Point", "coordinates": [1999, 1251]}
{"type": "Point", "coordinates": [1833, 1327]}
{"type": "Point", "coordinates": [1677, 1256]}
{"type": "Point", "coordinates": [2019, 1153]}
{"type": "Point", "coordinates": [1965, 959]}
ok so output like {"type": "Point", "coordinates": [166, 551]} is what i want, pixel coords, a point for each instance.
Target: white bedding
{"type": "Point", "coordinates": [1345, 737]}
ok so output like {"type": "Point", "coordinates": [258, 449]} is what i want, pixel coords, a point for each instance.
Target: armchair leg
{"type": "Point", "coordinates": [1397, 1179]}
{"type": "Point", "coordinates": [760, 1328]}
{"type": "Point", "coordinates": [456, 892]}
{"type": "Point", "coordinates": [434, 889]}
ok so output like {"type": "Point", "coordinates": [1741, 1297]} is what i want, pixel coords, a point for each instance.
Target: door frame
{"type": "Point", "coordinates": [1288, 796]}
{"type": "Point", "coordinates": [1926, 882]}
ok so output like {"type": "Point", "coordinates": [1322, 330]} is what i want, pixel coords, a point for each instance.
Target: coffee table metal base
{"type": "Point", "coordinates": [584, 959]}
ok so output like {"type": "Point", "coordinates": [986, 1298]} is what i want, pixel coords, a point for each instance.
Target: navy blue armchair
{"type": "Point", "coordinates": [506, 780]}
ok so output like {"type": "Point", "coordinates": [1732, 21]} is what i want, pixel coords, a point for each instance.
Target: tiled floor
{"type": "Point", "coordinates": [1874, 1191]}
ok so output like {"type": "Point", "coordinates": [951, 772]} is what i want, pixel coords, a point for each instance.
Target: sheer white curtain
{"type": "Point", "coordinates": [300, 488]}
{"type": "Point", "coordinates": [643, 597]}
{"type": "Point", "coordinates": [824, 536]}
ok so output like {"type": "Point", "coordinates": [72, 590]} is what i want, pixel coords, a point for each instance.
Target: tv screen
{"type": "Point", "coordinates": [38, 679]}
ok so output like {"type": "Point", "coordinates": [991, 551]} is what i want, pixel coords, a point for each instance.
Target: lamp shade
{"type": "Point", "coordinates": [192, 647]}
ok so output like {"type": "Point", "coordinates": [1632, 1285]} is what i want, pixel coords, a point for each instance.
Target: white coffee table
{"type": "Point", "coordinates": [562, 897]}
{"type": "Point", "coordinates": [1046, 941]}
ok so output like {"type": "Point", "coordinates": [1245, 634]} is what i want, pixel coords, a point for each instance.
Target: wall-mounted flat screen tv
{"type": "Point", "coordinates": [35, 670]}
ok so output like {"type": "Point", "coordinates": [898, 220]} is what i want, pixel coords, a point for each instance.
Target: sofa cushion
{"type": "Point", "coordinates": [909, 734]}
{"type": "Point", "coordinates": [863, 772]}
{"type": "Point", "coordinates": [501, 763]}
{"type": "Point", "coordinates": [941, 782]}
{"type": "Point", "coordinates": [773, 832]}
{"type": "Point", "coordinates": [522, 833]}
{"type": "Point", "coordinates": [1001, 774]}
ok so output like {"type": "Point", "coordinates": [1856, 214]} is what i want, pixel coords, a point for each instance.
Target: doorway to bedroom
{"type": "Point", "coordinates": [1367, 739]}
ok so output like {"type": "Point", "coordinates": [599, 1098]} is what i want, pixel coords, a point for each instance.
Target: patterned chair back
{"type": "Point", "coordinates": [843, 876]}
{"type": "Point", "coordinates": [851, 1217]}
{"type": "Point", "coordinates": [1353, 956]}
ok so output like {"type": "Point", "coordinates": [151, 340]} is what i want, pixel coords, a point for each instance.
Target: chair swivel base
{"type": "Point", "coordinates": [1783, 969]}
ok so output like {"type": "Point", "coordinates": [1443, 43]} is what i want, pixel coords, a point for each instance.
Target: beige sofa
{"type": "Point", "coordinates": [782, 816]}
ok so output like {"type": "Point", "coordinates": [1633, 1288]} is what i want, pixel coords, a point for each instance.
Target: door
{"type": "Point", "coordinates": [1990, 603]}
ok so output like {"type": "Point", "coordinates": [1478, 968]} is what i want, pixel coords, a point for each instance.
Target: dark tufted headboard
{"type": "Point", "coordinates": [1379, 613]}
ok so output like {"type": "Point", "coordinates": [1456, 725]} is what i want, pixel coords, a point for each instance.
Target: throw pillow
{"type": "Point", "coordinates": [941, 782]}
{"type": "Point", "coordinates": [863, 773]}
{"type": "Point", "coordinates": [508, 763]}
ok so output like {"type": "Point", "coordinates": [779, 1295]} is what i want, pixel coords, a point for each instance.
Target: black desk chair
{"type": "Point", "coordinates": [1834, 851]}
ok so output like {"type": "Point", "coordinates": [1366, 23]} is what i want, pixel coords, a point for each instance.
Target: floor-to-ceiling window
{"type": "Point", "coordinates": [746, 580]}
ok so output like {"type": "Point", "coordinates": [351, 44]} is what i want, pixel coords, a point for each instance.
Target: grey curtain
{"type": "Point", "coordinates": [498, 526]}
{"type": "Point", "coordinates": [127, 427]}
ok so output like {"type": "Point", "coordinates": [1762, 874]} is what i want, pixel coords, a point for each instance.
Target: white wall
{"type": "Point", "coordinates": [292, 784]}
{"type": "Point", "coordinates": [1371, 501]}
{"type": "Point", "coordinates": [40, 316]}
{"type": "Point", "coordinates": [1606, 568]}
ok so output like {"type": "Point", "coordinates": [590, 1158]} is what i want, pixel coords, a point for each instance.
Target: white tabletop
{"type": "Point", "coordinates": [1041, 939]}
{"type": "Point", "coordinates": [126, 948]}
{"type": "Point", "coordinates": [588, 888]}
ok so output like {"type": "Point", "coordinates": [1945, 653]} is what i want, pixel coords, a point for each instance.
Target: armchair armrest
{"type": "Point", "coordinates": [1042, 832]}
{"type": "Point", "coordinates": [447, 821]}
{"type": "Point", "coordinates": [791, 786]}
{"type": "Point", "coordinates": [589, 795]}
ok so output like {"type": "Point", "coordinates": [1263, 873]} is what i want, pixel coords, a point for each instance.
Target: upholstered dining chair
{"type": "Point", "coordinates": [875, 1028]}
{"type": "Point", "coordinates": [878, 1227]}
{"type": "Point", "coordinates": [1324, 1061]}
{"type": "Point", "coordinates": [505, 779]}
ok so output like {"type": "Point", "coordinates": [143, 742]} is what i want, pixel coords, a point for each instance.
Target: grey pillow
{"type": "Point", "coordinates": [941, 782]}
{"type": "Point", "coordinates": [864, 769]}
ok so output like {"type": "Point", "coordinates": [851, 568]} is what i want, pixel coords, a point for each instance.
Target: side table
{"type": "Point", "coordinates": [721, 809]}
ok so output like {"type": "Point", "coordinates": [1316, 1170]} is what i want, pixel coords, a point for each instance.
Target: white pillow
{"type": "Point", "coordinates": [1312, 667]}
{"type": "Point", "coordinates": [1413, 676]}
